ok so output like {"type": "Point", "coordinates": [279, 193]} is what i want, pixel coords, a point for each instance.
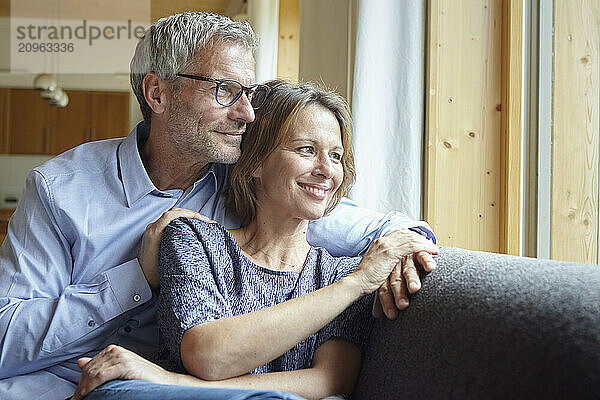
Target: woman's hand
{"type": "Point", "coordinates": [389, 254]}
{"type": "Point", "coordinates": [404, 279]}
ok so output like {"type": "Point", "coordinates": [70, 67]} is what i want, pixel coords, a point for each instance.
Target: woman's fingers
{"type": "Point", "coordinates": [383, 255]}
{"type": "Point", "coordinates": [403, 242]}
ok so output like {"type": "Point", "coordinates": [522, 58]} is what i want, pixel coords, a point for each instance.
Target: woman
{"type": "Point", "coordinates": [260, 299]}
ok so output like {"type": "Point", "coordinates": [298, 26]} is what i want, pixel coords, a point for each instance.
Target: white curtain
{"type": "Point", "coordinates": [388, 105]}
{"type": "Point", "coordinates": [263, 15]}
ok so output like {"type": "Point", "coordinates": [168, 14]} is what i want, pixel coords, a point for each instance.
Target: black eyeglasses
{"type": "Point", "coordinates": [229, 91]}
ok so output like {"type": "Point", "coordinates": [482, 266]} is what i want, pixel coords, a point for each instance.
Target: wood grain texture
{"type": "Point", "coordinates": [463, 166]}
{"type": "Point", "coordinates": [288, 52]}
{"type": "Point", "coordinates": [512, 119]}
{"type": "Point", "coordinates": [324, 49]}
{"type": "Point", "coordinates": [575, 157]}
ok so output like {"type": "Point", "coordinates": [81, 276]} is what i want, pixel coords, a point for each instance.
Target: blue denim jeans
{"type": "Point", "coordinates": [142, 390]}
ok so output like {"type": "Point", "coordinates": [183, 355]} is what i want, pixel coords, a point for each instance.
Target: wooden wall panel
{"type": "Point", "coordinates": [288, 52]}
{"type": "Point", "coordinates": [324, 48]}
{"type": "Point", "coordinates": [576, 104]}
{"type": "Point", "coordinates": [463, 167]}
{"type": "Point", "coordinates": [512, 120]}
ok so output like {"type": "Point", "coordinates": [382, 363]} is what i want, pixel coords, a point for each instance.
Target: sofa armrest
{"type": "Point", "coordinates": [490, 326]}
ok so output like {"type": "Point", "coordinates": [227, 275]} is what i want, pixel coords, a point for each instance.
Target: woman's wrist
{"type": "Point", "coordinates": [352, 284]}
{"type": "Point", "coordinates": [185, 380]}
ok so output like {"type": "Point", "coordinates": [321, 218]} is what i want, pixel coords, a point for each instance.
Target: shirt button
{"type": "Point", "coordinates": [137, 297]}
{"type": "Point", "coordinates": [91, 323]}
{"type": "Point", "coordinates": [127, 329]}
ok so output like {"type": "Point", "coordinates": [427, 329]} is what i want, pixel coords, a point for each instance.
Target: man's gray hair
{"type": "Point", "coordinates": [168, 47]}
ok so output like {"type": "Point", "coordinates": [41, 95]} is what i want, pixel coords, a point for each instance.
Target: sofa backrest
{"type": "Point", "coordinates": [490, 326]}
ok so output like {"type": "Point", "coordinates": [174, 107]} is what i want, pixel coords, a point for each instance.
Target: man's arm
{"type": "Point", "coordinates": [49, 312]}
{"type": "Point", "coordinates": [349, 230]}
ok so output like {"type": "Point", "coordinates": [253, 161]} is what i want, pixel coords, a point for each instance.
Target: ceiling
{"type": "Point", "coordinates": [163, 8]}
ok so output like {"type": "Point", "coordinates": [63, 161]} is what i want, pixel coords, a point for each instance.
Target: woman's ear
{"type": "Point", "coordinates": [155, 92]}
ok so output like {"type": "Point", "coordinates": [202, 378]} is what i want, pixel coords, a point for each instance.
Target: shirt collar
{"type": "Point", "coordinates": [134, 177]}
{"type": "Point", "coordinates": [136, 181]}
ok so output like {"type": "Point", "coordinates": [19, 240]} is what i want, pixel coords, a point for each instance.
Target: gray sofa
{"type": "Point", "coordinates": [490, 326]}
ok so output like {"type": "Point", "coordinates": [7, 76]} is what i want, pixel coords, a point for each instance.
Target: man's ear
{"type": "Point", "coordinates": [155, 92]}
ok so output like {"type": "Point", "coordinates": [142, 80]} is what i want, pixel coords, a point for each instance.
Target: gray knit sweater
{"type": "Point", "coordinates": [204, 276]}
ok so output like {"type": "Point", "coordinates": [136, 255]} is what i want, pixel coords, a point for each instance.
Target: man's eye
{"type": "Point", "coordinates": [226, 88]}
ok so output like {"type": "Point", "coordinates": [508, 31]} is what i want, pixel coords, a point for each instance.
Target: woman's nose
{"type": "Point", "coordinates": [323, 166]}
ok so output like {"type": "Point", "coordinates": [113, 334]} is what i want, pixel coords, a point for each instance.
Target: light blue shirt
{"type": "Point", "coordinates": [70, 283]}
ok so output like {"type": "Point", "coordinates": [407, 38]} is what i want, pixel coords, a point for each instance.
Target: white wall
{"type": "Point", "coordinates": [13, 171]}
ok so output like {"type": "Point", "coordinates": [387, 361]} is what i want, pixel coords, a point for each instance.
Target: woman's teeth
{"type": "Point", "coordinates": [317, 191]}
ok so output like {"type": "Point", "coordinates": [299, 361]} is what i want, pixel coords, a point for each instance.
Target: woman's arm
{"type": "Point", "coordinates": [229, 347]}
{"type": "Point", "coordinates": [334, 370]}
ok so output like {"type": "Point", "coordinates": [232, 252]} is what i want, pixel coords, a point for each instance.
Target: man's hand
{"type": "Point", "coordinates": [148, 257]}
{"type": "Point", "coordinates": [115, 362]}
{"type": "Point", "coordinates": [404, 278]}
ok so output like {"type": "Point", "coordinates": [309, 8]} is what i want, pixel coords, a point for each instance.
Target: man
{"type": "Point", "coordinates": [76, 274]}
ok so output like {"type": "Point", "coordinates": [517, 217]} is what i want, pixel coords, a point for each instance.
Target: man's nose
{"type": "Point", "coordinates": [242, 110]}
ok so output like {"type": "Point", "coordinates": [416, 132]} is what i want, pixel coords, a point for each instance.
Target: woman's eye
{"type": "Point", "coordinates": [305, 149]}
{"type": "Point", "coordinates": [336, 156]}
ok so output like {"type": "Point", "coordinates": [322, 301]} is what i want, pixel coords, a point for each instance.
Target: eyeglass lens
{"type": "Point", "coordinates": [228, 92]}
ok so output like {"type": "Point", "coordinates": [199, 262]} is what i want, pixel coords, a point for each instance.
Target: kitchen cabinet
{"type": "Point", "coordinates": [5, 214]}
{"type": "Point", "coordinates": [4, 93]}
{"type": "Point", "coordinates": [28, 129]}
{"type": "Point", "coordinates": [69, 126]}
{"type": "Point", "coordinates": [107, 115]}
{"type": "Point", "coordinates": [34, 127]}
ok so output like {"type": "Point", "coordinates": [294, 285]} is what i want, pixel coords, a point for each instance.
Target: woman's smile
{"type": "Point", "coordinates": [319, 192]}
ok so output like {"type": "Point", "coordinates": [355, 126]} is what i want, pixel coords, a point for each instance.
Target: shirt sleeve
{"type": "Point", "coordinates": [349, 229]}
{"type": "Point", "coordinates": [355, 322]}
{"type": "Point", "coordinates": [45, 317]}
{"type": "Point", "coordinates": [189, 290]}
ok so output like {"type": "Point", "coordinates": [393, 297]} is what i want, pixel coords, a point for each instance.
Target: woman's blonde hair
{"type": "Point", "coordinates": [273, 124]}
